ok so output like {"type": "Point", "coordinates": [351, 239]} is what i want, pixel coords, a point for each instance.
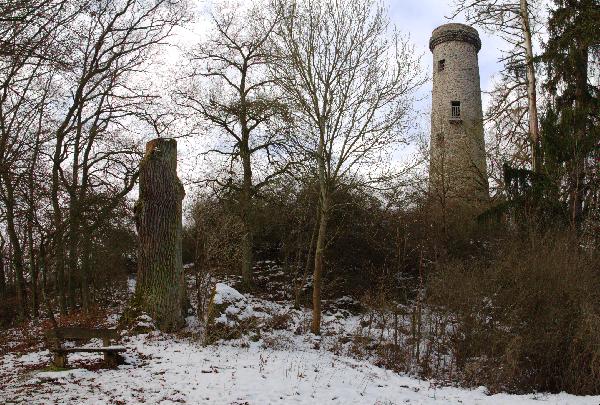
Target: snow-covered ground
{"type": "Point", "coordinates": [162, 370]}
{"type": "Point", "coordinates": [274, 363]}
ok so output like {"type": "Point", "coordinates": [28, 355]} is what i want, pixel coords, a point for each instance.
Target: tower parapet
{"type": "Point", "coordinates": [454, 32]}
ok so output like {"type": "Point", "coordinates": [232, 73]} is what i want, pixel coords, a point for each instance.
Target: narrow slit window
{"type": "Point", "coordinates": [441, 65]}
{"type": "Point", "coordinates": [455, 112]}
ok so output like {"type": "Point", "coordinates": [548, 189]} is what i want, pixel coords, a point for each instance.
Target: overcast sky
{"type": "Point", "coordinates": [416, 18]}
{"type": "Point", "coordinates": [419, 18]}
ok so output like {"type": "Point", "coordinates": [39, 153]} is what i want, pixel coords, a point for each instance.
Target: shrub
{"type": "Point", "coordinates": [528, 319]}
{"type": "Point", "coordinates": [229, 315]}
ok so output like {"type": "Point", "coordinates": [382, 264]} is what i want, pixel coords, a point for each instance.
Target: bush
{"type": "Point", "coordinates": [528, 318]}
{"type": "Point", "coordinates": [229, 315]}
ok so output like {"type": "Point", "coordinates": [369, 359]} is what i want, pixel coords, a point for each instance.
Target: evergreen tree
{"type": "Point", "coordinates": [570, 126]}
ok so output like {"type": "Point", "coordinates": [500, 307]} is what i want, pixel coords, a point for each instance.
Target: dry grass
{"type": "Point", "coordinates": [528, 319]}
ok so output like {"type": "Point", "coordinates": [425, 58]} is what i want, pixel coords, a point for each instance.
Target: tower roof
{"type": "Point", "coordinates": [454, 32]}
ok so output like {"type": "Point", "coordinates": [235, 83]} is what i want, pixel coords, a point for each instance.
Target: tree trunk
{"type": "Point", "coordinates": [2, 276]}
{"type": "Point", "coordinates": [73, 252]}
{"type": "Point", "coordinates": [318, 272]}
{"type": "Point", "coordinates": [323, 217]}
{"type": "Point", "coordinates": [59, 266]}
{"type": "Point", "coordinates": [160, 286]}
{"type": "Point", "coordinates": [43, 263]}
{"type": "Point", "coordinates": [247, 257]}
{"type": "Point", "coordinates": [11, 274]}
{"type": "Point", "coordinates": [34, 258]}
{"type": "Point", "coordinates": [311, 248]}
{"type": "Point", "coordinates": [17, 250]}
{"type": "Point", "coordinates": [247, 211]}
{"type": "Point", "coordinates": [33, 265]}
{"type": "Point", "coordinates": [57, 219]}
{"type": "Point", "coordinates": [534, 131]}
{"type": "Point", "coordinates": [578, 173]}
{"type": "Point", "coordinates": [85, 272]}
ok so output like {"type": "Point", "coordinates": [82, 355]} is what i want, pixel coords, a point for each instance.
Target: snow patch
{"type": "Point", "coordinates": [131, 283]}
{"type": "Point", "coordinates": [225, 294]}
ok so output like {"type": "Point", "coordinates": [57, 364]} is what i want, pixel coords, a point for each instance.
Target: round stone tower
{"type": "Point", "coordinates": [457, 167]}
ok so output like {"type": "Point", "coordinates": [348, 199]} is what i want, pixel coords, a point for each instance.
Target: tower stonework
{"type": "Point", "coordinates": [458, 173]}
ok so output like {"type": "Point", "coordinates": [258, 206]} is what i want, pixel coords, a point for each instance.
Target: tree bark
{"type": "Point", "coordinates": [247, 186]}
{"type": "Point", "coordinates": [323, 215]}
{"type": "Point", "coordinates": [578, 175]}
{"type": "Point", "coordinates": [57, 219]}
{"type": "Point", "coordinates": [2, 276]}
{"type": "Point", "coordinates": [34, 271]}
{"type": "Point", "coordinates": [43, 264]}
{"type": "Point", "coordinates": [311, 248]}
{"type": "Point", "coordinates": [17, 250]}
{"type": "Point", "coordinates": [33, 263]}
{"type": "Point", "coordinates": [85, 272]}
{"type": "Point", "coordinates": [160, 286]}
{"type": "Point", "coordinates": [59, 266]}
{"type": "Point", "coordinates": [319, 265]}
{"type": "Point", "coordinates": [73, 252]}
{"type": "Point", "coordinates": [31, 212]}
{"type": "Point", "coordinates": [246, 211]}
{"type": "Point", "coordinates": [534, 131]}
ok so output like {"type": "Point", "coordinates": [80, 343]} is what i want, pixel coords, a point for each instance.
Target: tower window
{"type": "Point", "coordinates": [441, 65]}
{"type": "Point", "coordinates": [455, 112]}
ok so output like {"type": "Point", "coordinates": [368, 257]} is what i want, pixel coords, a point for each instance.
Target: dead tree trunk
{"type": "Point", "coordinates": [160, 289]}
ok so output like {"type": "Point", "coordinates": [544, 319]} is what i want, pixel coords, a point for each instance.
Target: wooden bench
{"type": "Point", "coordinates": [55, 338]}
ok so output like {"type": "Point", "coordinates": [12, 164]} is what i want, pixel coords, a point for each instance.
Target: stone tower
{"type": "Point", "coordinates": [457, 167]}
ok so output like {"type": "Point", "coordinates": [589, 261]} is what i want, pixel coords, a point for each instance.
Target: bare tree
{"type": "Point", "coordinates": [110, 43]}
{"type": "Point", "coordinates": [243, 107]}
{"type": "Point", "coordinates": [28, 32]}
{"type": "Point", "coordinates": [71, 90]}
{"type": "Point", "coordinates": [350, 82]}
{"type": "Point", "coordinates": [512, 19]}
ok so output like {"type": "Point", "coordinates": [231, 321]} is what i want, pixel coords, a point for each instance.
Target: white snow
{"type": "Point", "coordinates": [238, 306]}
{"type": "Point", "coordinates": [164, 370]}
{"type": "Point", "coordinates": [226, 294]}
{"type": "Point", "coordinates": [144, 321]}
{"type": "Point", "coordinates": [283, 366]}
{"type": "Point", "coordinates": [131, 283]}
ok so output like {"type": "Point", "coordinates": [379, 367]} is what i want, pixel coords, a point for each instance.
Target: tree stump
{"type": "Point", "coordinates": [160, 288]}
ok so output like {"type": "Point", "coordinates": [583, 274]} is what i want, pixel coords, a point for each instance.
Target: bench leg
{"type": "Point", "coordinates": [60, 360]}
{"type": "Point", "coordinates": [112, 359]}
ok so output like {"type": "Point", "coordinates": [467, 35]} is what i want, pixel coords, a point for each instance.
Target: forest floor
{"type": "Point", "coordinates": [269, 359]}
